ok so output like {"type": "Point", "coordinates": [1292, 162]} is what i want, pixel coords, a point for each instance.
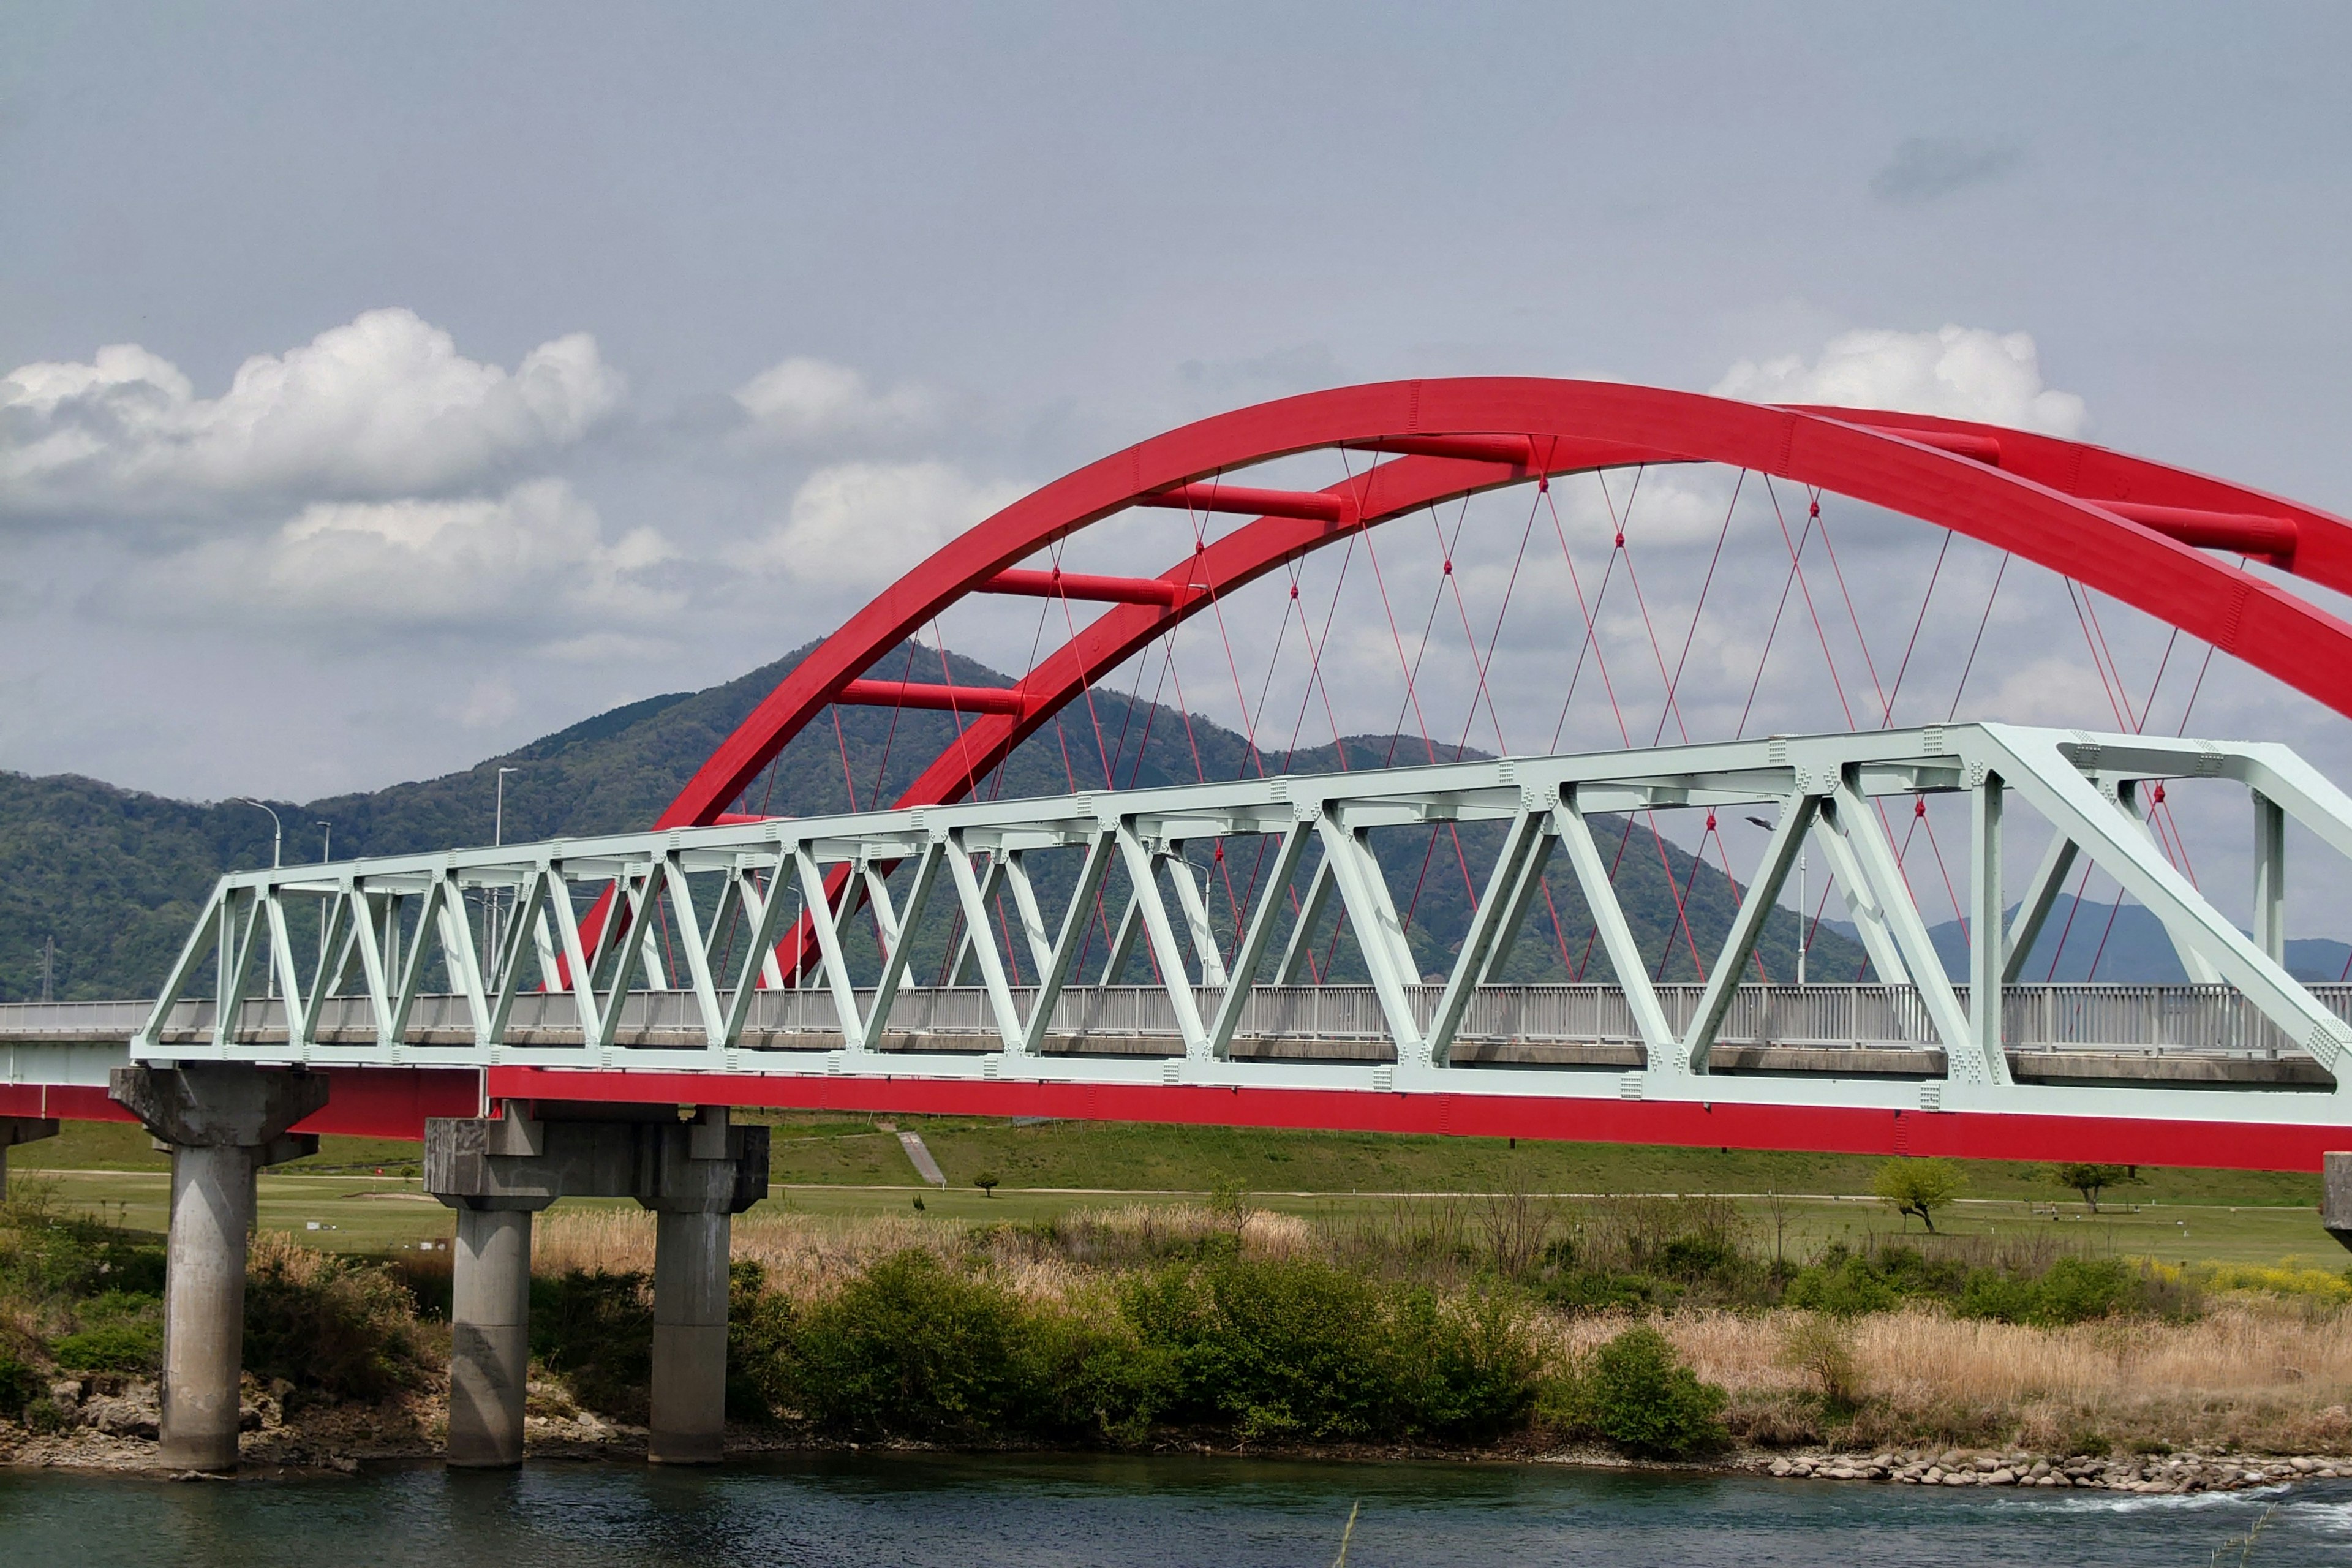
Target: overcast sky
{"type": "Point", "coordinates": [394, 386]}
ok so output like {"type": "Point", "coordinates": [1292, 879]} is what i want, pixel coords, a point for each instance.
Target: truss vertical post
{"type": "Point", "coordinates": [2270, 877]}
{"type": "Point", "coordinates": [1987, 956]}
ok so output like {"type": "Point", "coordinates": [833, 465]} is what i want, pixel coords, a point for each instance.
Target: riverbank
{"type": "Point", "coordinates": [1641, 1329]}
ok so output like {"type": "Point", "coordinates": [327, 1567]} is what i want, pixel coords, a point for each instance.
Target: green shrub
{"type": "Point", "coordinates": [1635, 1393]}
{"type": "Point", "coordinates": [595, 1331]}
{"type": "Point", "coordinates": [2071, 1290]}
{"type": "Point", "coordinates": [19, 1384]}
{"type": "Point", "coordinates": [44, 1414]}
{"type": "Point", "coordinates": [912, 1348]}
{"type": "Point", "coordinates": [128, 1346]}
{"type": "Point", "coordinates": [328, 1325]}
{"type": "Point", "coordinates": [1846, 1288]}
{"type": "Point", "coordinates": [1599, 1290]}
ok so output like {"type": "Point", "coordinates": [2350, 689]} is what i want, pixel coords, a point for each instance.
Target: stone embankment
{"type": "Point", "coordinates": [2148, 1473]}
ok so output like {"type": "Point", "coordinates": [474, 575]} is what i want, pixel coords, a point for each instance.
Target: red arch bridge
{"type": "Point", "coordinates": [1256, 947]}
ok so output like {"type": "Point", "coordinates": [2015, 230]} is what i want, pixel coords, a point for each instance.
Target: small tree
{"type": "Point", "coordinates": [986, 1182]}
{"type": "Point", "coordinates": [1919, 1186]}
{"type": "Point", "coordinates": [2090, 1179]}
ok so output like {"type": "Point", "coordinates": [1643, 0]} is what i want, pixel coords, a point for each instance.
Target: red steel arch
{"type": "Point", "coordinates": [2131, 528]}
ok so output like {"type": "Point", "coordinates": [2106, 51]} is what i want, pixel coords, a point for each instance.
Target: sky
{"type": "Point", "coordinates": [381, 388]}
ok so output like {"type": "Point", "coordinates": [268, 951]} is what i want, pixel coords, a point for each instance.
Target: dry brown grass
{"type": "Point", "coordinates": [2256, 1375]}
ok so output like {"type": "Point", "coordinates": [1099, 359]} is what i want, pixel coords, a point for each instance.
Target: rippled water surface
{"type": "Point", "coordinates": [913, 1511]}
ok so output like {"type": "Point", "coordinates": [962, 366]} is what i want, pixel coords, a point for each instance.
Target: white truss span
{"type": "Point", "coordinates": [539, 993]}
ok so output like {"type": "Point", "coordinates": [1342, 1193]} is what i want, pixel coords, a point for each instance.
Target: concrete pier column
{"type": "Point", "coordinates": [2336, 1197]}
{"type": "Point", "coordinates": [689, 1403]}
{"type": "Point", "coordinates": [16, 1129]}
{"type": "Point", "coordinates": [204, 1304]}
{"type": "Point", "coordinates": [222, 1122]}
{"type": "Point", "coordinates": [489, 1335]}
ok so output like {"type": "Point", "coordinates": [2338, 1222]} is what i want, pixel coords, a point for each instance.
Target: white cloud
{"type": "Point", "coordinates": [1962, 373]}
{"type": "Point", "coordinates": [534, 559]}
{"type": "Point", "coordinates": [862, 524]}
{"type": "Point", "coordinates": [805, 402]}
{"type": "Point", "coordinates": [385, 406]}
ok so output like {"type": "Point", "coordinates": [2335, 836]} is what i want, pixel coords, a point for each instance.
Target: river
{"type": "Point", "coordinates": [854, 1510]}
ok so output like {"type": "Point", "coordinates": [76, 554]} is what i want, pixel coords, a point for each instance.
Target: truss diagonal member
{"type": "Point", "coordinates": [576, 968]}
{"type": "Point", "coordinates": [527, 919]}
{"type": "Point", "coordinates": [886, 922]}
{"type": "Point", "coordinates": [1300, 948]}
{"type": "Point", "coordinates": [819, 912]}
{"type": "Point", "coordinates": [978, 927]}
{"type": "Point", "coordinates": [370, 919]}
{"type": "Point", "coordinates": [334, 936]}
{"type": "Point", "coordinates": [1748, 926]}
{"type": "Point", "coordinates": [2033, 766]}
{"type": "Point", "coordinates": [1197, 926]}
{"type": "Point", "coordinates": [240, 916]}
{"type": "Point", "coordinates": [983, 948]}
{"type": "Point", "coordinates": [1658, 1043]}
{"type": "Point", "coordinates": [764, 910]}
{"type": "Point", "coordinates": [1122, 942]}
{"type": "Point", "coordinates": [1257, 938]}
{"type": "Point", "coordinates": [901, 953]}
{"type": "Point", "coordinates": [1863, 904]}
{"type": "Point", "coordinates": [411, 969]}
{"type": "Point", "coordinates": [1054, 967]}
{"type": "Point", "coordinates": [698, 956]}
{"type": "Point", "coordinates": [1987, 954]}
{"type": "Point", "coordinates": [281, 966]}
{"type": "Point", "coordinates": [1142, 872]}
{"type": "Point", "coordinates": [211, 930]}
{"type": "Point", "coordinates": [1525, 894]}
{"type": "Point", "coordinates": [459, 957]}
{"type": "Point", "coordinates": [1025, 906]}
{"type": "Point", "coordinates": [1379, 934]}
{"type": "Point", "coordinates": [1520, 841]}
{"type": "Point", "coordinates": [2034, 908]}
{"type": "Point", "coordinates": [1859, 849]}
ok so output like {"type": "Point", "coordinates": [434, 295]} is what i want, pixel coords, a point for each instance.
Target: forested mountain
{"type": "Point", "coordinates": [116, 877]}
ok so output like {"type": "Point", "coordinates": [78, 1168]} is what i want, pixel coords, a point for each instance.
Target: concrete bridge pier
{"type": "Point", "coordinates": [695, 1176]}
{"type": "Point", "coordinates": [489, 1340]}
{"type": "Point", "coordinates": [16, 1129]}
{"type": "Point", "coordinates": [222, 1122]}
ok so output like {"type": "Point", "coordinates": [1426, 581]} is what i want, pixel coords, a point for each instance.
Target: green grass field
{"type": "Point", "coordinates": [837, 1166]}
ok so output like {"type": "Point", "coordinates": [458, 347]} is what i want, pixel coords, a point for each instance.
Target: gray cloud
{"type": "Point", "coordinates": [1929, 168]}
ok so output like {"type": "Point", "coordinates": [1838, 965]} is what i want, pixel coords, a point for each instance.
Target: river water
{"type": "Point", "coordinates": [913, 1511]}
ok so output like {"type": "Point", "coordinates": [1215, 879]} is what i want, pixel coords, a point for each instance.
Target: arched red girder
{"type": "Point", "coordinates": [2128, 527]}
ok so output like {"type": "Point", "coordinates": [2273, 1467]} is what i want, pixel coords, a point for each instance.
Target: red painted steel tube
{"type": "Point", "coordinates": [1976, 448]}
{"type": "Point", "coordinates": [1516, 450]}
{"type": "Point", "coordinates": [947, 698]}
{"type": "Point", "coordinates": [2245, 533]}
{"type": "Point", "coordinates": [1058, 585]}
{"type": "Point", "coordinates": [1321, 505]}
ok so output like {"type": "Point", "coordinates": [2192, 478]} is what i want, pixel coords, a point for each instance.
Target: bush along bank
{"type": "Point", "coordinates": [1648, 1330]}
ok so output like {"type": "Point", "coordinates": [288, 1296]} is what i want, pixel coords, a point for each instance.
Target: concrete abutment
{"type": "Point", "coordinates": [496, 1172]}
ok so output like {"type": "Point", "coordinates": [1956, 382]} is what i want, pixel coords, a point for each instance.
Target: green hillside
{"type": "Point", "coordinates": [116, 877]}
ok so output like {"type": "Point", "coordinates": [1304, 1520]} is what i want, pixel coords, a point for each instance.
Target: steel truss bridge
{"type": "Point", "coordinates": [725, 957]}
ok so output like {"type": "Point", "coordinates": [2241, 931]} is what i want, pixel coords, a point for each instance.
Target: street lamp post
{"type": "Point", "coordinates": [326, 844]}
{"type": "Point", "coordinates": [277, 861]}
